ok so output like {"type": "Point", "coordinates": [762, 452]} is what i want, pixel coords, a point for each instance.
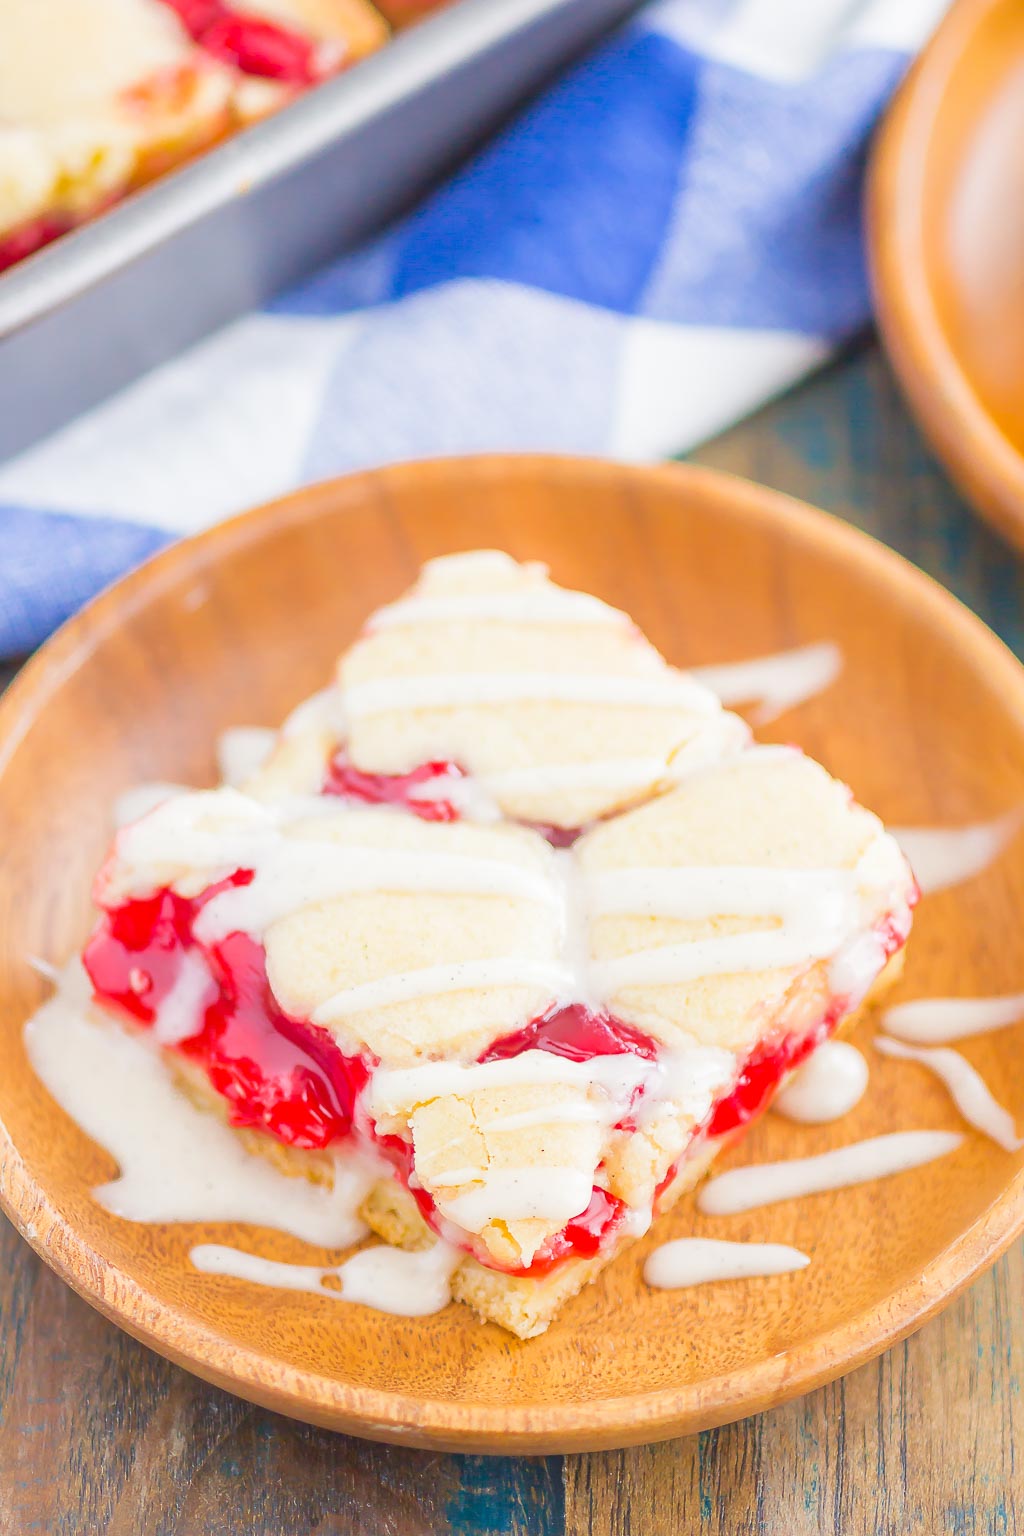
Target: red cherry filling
{"type": "Point", "coordinates": [289, 1078]}
{"type": "Point", "coordinates": [761, 1074]}
{"type": "Point", "coordinates": [576, 1033]}
{"type": "Point", "coordinates": [580, 1238]}
{"type": "Point", "coordinates": [249, 43]}
{"type": "Point", "coordinates": [771, 1060]}
{"type": "Point", "coordinates": [758, 1078]}
{"type": "Point", "coordinates": [558, 837]}
{"type": "Point", "coordinates": [31, 237]}
{"type": "Point", "coordinates": [397, 789]}
{"type": "Point", "coordinates": [278, 1074]}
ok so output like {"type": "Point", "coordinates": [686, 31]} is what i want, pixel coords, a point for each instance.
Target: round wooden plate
{"type": "Point", "coordinates": [946, 239]}
{"type": "Point", "coordinates": [926, 723]}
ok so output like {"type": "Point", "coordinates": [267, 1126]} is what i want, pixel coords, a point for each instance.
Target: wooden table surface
{"type": "Point", "coordinates": [99, 1435]}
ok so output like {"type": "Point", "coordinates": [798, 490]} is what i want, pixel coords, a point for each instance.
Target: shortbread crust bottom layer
{"type": "Point", "coordinates": [524, 1305]}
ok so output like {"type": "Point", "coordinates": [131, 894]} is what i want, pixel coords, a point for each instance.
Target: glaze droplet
{"type": "Point", "coordinates": [826, 1087]}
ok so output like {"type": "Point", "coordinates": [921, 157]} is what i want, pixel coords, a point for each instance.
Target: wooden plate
{"type": "Point", "coordinates": [927, 724]}
{"type": "Point", "coordinates": [946, 238]}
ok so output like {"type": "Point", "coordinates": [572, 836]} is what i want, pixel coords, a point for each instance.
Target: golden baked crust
{"type": "Point", "coordinates": [100, 96]}
{"type": "Point", "coordinates": [522, 1305]}
{"type": "Point", "coordinates": [519, 747]}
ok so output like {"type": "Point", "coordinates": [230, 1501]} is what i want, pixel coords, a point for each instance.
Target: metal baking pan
{"type": "Point", "coordinates": [219, 237]}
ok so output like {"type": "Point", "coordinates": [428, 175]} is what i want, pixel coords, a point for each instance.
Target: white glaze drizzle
{"type": "Point", "coordinates": [696, 891]}
{"type": "Point", "coordinates": [548, 1192]}
{"type": "Point", "coordinates": [826, 1087]}
{"type": "Point", "coordinates": [609, 1087]}
{"type": "Point", "coordinates": [220, 830]}
{"type": "Point", "coordinates": [543, 605]}
{"type": "Point", "coordinates": [819, 916]}
{"type": "Point", "coordinates": [456, 690]}
{"type": "Point", "coordinates": [855, 966]}
{"type": "Point", "coordinates": [742, 1189]}
{"type": "Point", "coordinates": [472, 797]}
{"type": "Point", "coordinates": [697, 1260]}
{"type": "Point", "coordinates": [570, 1112]}
{"type": "Point", "coordinates": [205, 831]}
{"type": "Point", "coordinates": [386, 1279]}
{"type": "Point", "coordinates": [143, 798]}
{"type": "Point", "coordinates": [945, 856]}
{"type": "Point", "coordinates": [301, 874]}
{"type": "Point", "coordinates": [242, 751]}
{"type": "Point", "coordinates": [817, 910]}
{"type": "Point", "coordinates": [322, 711]}
{"type": "Point", "coordinates": [607, 773]}
{"type": "Point", "coordinates": [394, 1090]}
{"type": "Point", "coordinates": [44, 968]}
{"type": "Point", "coordinates": [689, 1077]}
{"type": "Point", "coordinates": [433, 980]}
{"type": "Point", "coordinates": [574, 931]}
{"type": "Point", "coordinates": [936, 1020]}
{"type": "Point", "coordinates": [725, 738]}
{"type": "Point", "coordinates": [778, 682]}
{"type": "Point", "coordinates": [179, 1013]}
{"type": "Point", "coordinates": [968, 1089]}
{"type": "Point", "coordinates": [177, 1163]}
{"type": "Point", "coordinates": [814, 937]}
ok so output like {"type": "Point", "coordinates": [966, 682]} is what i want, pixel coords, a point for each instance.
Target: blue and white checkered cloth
{"type": "Point", "coordinates": [667, 237]}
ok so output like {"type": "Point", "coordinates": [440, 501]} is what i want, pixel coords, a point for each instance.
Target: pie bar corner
{"type": "Point", "coordinates": [515, 914]}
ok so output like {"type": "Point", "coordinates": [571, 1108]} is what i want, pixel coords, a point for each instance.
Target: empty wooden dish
{"type": "Point", "coordinates": [946, 241]}
{"type": "Point", "coordinates": [926, 722]}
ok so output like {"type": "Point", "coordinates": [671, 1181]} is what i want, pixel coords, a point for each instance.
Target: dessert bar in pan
{"type": "Point", "coordinates": [97, 97]}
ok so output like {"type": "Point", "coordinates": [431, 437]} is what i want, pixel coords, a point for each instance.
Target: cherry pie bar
{"type": "Point", "coordinates": [514, 908]}
{"type": "Point", "coordinates": [98, 97]}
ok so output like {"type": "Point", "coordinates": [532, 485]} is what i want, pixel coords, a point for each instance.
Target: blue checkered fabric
{"type": "Point", "coordinates": [668, 236]}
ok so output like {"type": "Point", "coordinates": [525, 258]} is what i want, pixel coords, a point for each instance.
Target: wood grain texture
{"type": "Point", "coordinates": [98, 1434]}
{"type": "Point", "coordinates": [946, 205]}
{"type": "Point", "coordinates": [927, 1439]}
{"type": "Point", "coordinates": [95, 1427]}
{"type": "Point", "coordinates": [926, 723]}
